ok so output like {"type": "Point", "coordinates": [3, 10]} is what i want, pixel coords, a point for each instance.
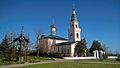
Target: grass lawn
{"type": "Point", "coordinates": [72, 65]}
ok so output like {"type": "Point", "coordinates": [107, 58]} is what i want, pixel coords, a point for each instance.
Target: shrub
{"type": "Point", "coordinates": [1, 62]}
{"type": "Point", "coordinates": [55, 55]}
{"type": "Point", "coordinates": [105, 56]}
{"type": "Point", "coordinates": [118, 59]}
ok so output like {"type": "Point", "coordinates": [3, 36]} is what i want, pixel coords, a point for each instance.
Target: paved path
{"type": "Point", "coordinates": [52, 61]}
{"type": "Point", "coordinates": [27, 64]}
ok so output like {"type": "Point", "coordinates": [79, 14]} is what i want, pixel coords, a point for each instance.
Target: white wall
{"type": "Point", "coordinates": [72, 49]}
{"type": "Point", "coordinates": [75, 58]}
{"type": "Point", "coordinates": [60, 41]}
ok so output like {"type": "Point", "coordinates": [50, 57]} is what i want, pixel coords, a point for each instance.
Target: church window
{"type": "Point", "coordinates": [58, 48]}
{"type": "Point", "coordinates": [77, 35]}
{"type": "Point", "coordinates": [68, 51]}
{"type": "Point", "coordinates": [76, 26]}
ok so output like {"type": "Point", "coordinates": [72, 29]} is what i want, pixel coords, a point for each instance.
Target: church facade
{"type": "Point", "coordinates": [57, 44]}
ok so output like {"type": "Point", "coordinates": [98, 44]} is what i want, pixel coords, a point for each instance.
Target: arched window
{"type": "Point", "coordinates": [58, 48]}
{"type": "Point", "coordinates": [77, 35]}
{"type": "Point", "coordinates": [76, 26]}
{"type": "Point", "coordinates": [68, 51]}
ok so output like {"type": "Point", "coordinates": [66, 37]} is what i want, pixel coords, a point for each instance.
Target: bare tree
{"type": "Point", "coordinates": [38, 34]}
{"type": "Point", "coordinates": [105, 48]}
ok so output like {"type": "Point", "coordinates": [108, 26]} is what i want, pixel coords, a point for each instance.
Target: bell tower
{"type": "Point", "coordinates": [74, 30]}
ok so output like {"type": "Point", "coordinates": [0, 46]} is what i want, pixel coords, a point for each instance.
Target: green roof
{"type": "Point", "coordinates": [54, 37]}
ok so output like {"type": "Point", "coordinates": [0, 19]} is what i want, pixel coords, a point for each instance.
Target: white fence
{"type": "Point", "coordinates": [97, 55]}
{"type": "Point", "coordinates": [112, 57]}
{"type": "Point", "coordinates": [77, 58]}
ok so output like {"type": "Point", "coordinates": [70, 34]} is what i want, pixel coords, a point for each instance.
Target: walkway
{"type": "Point", "coordinates": [52, 61]}
{"type": "Point", "coordinates": [27, 64]}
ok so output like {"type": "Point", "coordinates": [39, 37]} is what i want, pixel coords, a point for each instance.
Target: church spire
{"type": "Point", "coordinates": [73, 15]}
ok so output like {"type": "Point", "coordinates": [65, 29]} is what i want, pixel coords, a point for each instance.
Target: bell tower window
{"type": "Point", "coordinates": [76, 26]}
{"type": "Point", "coordinates": [77, 35]}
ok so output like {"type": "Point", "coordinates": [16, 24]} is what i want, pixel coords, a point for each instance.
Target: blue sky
{"type": "Point", "coordinates": [98, 19]}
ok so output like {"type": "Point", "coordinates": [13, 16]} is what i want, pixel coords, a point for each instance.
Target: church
{"type": "Point", "coordinates": [57, 44]}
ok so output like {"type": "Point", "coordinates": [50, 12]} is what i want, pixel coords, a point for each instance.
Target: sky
{"type": "Point", "coordinates": [98, 19]}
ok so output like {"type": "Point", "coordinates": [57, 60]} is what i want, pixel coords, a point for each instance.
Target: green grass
{"type": "Point", "coordinates": [72, 65]}
{"type": "Point", "coordinates": [36, 59]}
{"type": "Point", "coordinates": [98, 60]}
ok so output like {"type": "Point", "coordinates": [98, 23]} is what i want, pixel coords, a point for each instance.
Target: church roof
{"type": "Point", "coordinates": [54, 37]}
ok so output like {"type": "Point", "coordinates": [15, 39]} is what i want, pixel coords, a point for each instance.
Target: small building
{"type": "Point", "coordinates": [57, 44]}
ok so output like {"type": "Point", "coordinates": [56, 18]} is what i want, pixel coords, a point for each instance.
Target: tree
{"type": "Point", "coordinates": [105, 48]}
{"type": "Point", "coordinates": [96, 45]}
{"type": "Point", "coordinates": [81, 48]}
{"type": "Point", "coordinates": [12, 36]}
{"type": "Point", "coordinates": [6, 50]}
{"type": "Point", "coordinates": [38, 34]}
{"type": "Point", "coordinates": [0, 50]}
